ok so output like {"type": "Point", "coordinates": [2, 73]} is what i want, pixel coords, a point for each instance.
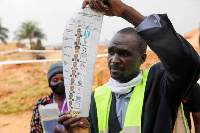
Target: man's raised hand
{"type": "Point", "coordinates": [107, 7]}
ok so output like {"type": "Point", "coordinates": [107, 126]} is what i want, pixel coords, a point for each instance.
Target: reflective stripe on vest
{"type": "Point", "coordinates": [185, 120]}
{"type": "Point", "coordinates": [103, 98]}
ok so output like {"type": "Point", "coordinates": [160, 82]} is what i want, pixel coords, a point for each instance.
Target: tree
{"type": "Point", "coordinates": [3, 33]}
{"type": "Point", "coordinates": [29, 30]}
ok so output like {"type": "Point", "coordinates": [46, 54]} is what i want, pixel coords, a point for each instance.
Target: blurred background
{"type": "Point", "coordinates": [31, 34]}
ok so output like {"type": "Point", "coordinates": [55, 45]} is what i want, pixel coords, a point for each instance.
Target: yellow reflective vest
{"type": "Point", "coordinates": [103, 98]}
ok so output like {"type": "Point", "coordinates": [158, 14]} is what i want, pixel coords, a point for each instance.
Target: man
{"type": "Point", "coordinates": [191, 103]}
{"type": "Point", "coordinates": [72, 82]}
{"type": "Point", "coordinates": [194, 106]}
{"type": "Point", "coordinates": [73, 75]}
{"type": "Point", "coordinates": [75, 58]}
{"type": "Point", "coordinates": [71, 89]}
{"type": "Point", "coordinates": [134, 101]}
{"type": "Point", "coordinates": [77, 43]}
{"type": "Point", "coordinates": [77, 49]}
{"type": "Point", "coordinates": [74, 67]}
{"type": "Point", "coordinates": [70, 96]}
{"type": "Point", "coordinates": [78, 33]}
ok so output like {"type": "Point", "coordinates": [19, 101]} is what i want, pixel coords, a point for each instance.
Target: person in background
{"type": "Point", "coordinates": [191, 103]}
{"type": "Point", "coordinates": [56, 83]}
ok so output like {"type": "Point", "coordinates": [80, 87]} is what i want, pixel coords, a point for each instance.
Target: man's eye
{"type": "Point", "coordinates": [124, 54]}
{"type": "Point", "coordinates": [110, 52]}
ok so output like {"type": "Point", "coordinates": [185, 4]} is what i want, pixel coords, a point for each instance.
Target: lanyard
{"type": "Point", "coordinates": [64, 103]}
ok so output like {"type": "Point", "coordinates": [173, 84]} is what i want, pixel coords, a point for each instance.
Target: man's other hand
{"type": "Point", "coordinates": [73, 124]}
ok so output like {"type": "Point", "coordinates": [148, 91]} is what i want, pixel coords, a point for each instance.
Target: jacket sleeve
{"type": "Point", "coordinates": [180, 60]}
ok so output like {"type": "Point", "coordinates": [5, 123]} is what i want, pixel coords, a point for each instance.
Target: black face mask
{"type": "Point", "coordinates": [58, 89]}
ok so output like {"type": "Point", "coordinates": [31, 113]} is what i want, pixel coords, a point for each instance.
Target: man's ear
{"type": "Point", "coordinates": [143, 57]}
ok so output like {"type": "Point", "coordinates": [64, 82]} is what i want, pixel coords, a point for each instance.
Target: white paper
{"type": "Point", "coordinates": [49, 111]}
{"type": "Point", "coordinates": [49, 114]}
{"type": "Point", "coordinates": [79, 55]}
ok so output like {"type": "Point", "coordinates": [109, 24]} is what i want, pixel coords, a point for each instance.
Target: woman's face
{"type": "Point", "coordinates": [57, 79]}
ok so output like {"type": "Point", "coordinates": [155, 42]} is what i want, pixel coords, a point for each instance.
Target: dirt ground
{"type": "Point", "coordinates": [15, 123]}
{"type": "Point", "coordinates": [15, 78]}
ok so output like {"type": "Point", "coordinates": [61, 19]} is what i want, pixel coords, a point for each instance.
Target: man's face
{"type": "Point", "coordinates": [79, 31]}
{"type": "Point", "coordinates": [73, 72]}
{"type": "Point", "coordinates": [74, 64]}
{"type": "Point", "coordinates": [72, 80]}
{"type": "Point", "coordinates": [71, 88]}
{"type": "Point", "coordinates": [76, 49]}
{"type": "Point", "coordinates": [124, 58]}
{"type": "Point", "coordinates": [70, 96]}
{"type": "Point", "coordinates": [70, 103]}
{"type": "Point", "coordinates": [75, 56]}
{"type": "Point", "coordinates": [77, 39]}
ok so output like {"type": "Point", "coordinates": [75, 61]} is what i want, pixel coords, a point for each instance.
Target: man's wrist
{"type": "Point", "coordinates": [125, 11]}
{"type": "Point", "coordinates": [132, 16]}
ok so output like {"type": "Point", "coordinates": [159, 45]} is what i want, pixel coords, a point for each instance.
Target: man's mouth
{"type": "Point", "coordinates": [115, 69]}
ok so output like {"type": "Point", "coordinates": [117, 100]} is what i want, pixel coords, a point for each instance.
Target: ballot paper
{"type": "Point", "coordinates": [80, 44]}
{"type": "Point", "coordinates": [49, 115]}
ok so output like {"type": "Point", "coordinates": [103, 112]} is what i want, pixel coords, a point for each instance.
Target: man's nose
{"type": "Point", "coordinates": [115, 59]}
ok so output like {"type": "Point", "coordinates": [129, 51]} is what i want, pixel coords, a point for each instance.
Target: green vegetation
{"type": "Point", "coordinates": [29, 30]}
{"type": "Point", "coordinates": [4, 79]}
{"type": "Point", "coordinates": [30, 85]}
{"type": "Point", "coordinates": [16, 82]}
{"type": "Point", "coordinates": [3, 33]}
{"type": "Point", "coordinates": [24, 100]}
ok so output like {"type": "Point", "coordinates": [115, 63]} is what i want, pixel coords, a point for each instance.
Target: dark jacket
{"type": "Point", "coordinates": [167, 82]}
{"type": "Point", "coordinates": [191, 102]}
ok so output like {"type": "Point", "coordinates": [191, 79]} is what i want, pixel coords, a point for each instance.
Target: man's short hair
{"type": "Point", "coordinates": [131, 31]}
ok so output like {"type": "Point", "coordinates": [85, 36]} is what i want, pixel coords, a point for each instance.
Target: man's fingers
{"type": "Point", "coordinates": [102, 5]}
{"type": "Point", "coordinates": [70, 121]}
{"type": "Point", "coordinates": [92, 6]}
{"type": "Point", "coordinates": [64, 118]}
{"type": "Point", "coordinates": [96, 5]}
{"type": "Point", "coordinates": [85, 3]}
{"type": "Point", "coordinates": [75, 124]}
{"type": "Point", "coordinates": [64, 113]}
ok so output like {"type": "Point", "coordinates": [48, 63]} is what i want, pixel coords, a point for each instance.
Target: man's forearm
{"type": "Point", "coordinates": [132, 16]}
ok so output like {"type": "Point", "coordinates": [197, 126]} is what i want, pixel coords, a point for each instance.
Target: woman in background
{"type": "Point", "coordinates": [56, 83]}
